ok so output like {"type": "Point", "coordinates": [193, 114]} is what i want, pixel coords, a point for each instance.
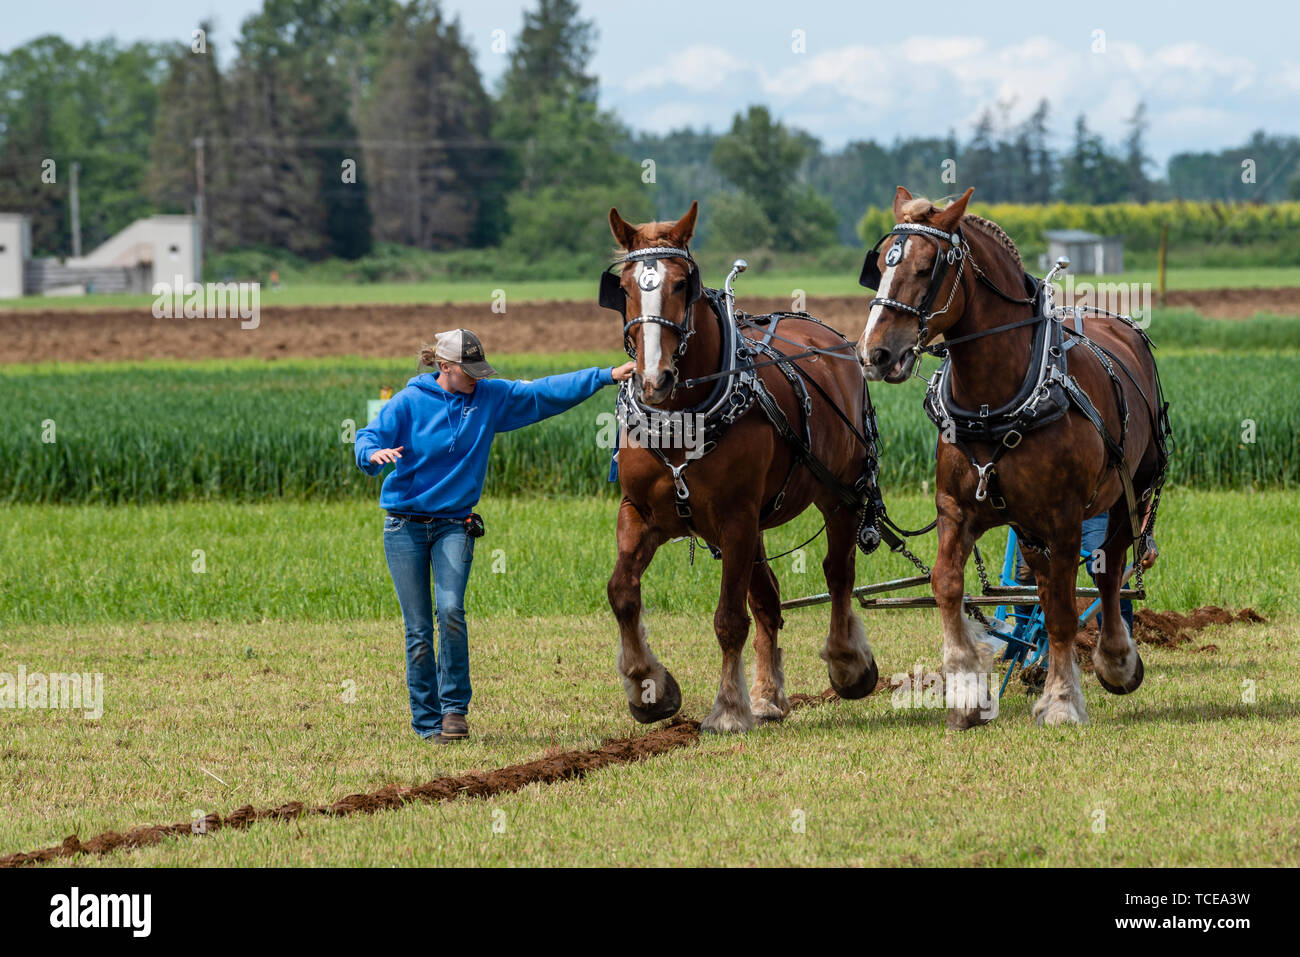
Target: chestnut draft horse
{"type": "Point", "coordinates": [746, 476]}
{"type": "Point", "coordinates": [1024, 441]}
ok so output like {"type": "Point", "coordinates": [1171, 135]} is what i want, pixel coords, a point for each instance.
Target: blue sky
{"type": "Point", "coordinates": [867, 71]}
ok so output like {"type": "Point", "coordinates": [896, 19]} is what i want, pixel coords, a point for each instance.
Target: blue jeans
{"type": "Point", "coordinates": [438, 685]}
{"type": "Point", "coordinates": [1094, 536]}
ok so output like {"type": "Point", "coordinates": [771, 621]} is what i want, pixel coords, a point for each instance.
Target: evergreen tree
{"type": "Point", "coordinates": [432, 170]}
{"type": "Point", "coordinates": [1135, 159]}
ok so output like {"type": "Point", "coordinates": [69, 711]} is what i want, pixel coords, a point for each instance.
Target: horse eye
{"type": "Point", "coordinates": [681, 285]}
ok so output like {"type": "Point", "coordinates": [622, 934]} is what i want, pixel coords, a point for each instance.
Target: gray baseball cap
{"type": "Point", "coordinates": [462, 346]}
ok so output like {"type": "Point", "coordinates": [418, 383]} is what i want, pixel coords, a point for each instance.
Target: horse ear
{"type": "Point", "coordinates": [951, 214]}
{"type": "Point", "coordinates": [901, 196]}
{"type": "Point", "coordinates": [624, 232]}
{"type": "Point", "coordinates": [685, 227]}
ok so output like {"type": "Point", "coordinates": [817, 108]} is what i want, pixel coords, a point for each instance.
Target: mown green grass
{"type": "Point", "coordinates": [1184, 770]}
{"type": "Point", "coordinates": [251, 431]}
{"type": "Point", "coordinates": [774, 283]}
{"type": "Point", "coordinates": [63, 565]}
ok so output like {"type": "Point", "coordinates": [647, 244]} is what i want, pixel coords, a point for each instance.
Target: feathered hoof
{"type": "Point", "coordinates": [860, 688]}
{"type": "Point", "coordinates": [1133, 683]}
{"type": "Point", "coordinates": [667, 704]}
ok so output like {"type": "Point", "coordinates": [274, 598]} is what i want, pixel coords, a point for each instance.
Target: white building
{"type": "Point", "coordinates": [15, 250]}
{"type": "Point", "coordinates": [152, 250]}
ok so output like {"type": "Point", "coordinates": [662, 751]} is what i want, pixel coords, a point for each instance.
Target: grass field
{"type": "Point", "coordinates": [239, 672]}
{"type": "Point", "coordinates": [1184, 770]}
{"type": "Point", "coordinates": [753, 284]}
{"type": "Point", "coordinates": [541, 557]}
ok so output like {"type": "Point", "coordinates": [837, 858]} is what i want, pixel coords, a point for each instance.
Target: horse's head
{"type": "Point", "coordinates": [916, 272]}
{"type": "Point", "coordinates": [655, 290]}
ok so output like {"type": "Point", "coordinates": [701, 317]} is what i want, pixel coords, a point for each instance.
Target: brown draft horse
{"type": "Point", "coordinates": [1055, 478]}
{"type": "Point", "coordinates": [728, 489]}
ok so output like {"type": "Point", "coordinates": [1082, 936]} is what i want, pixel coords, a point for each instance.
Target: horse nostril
{"type": "Point", "coordinates": [880, 357]}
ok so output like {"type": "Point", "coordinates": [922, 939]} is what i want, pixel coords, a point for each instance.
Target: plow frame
{"type": "Point", "coordinates": [1016, 628]}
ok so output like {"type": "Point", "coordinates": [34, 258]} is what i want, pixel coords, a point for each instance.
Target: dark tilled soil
{"type": "Point", "coordinates": [396, 329]}
{"type": "Point", "coordinates": [1163, 629]}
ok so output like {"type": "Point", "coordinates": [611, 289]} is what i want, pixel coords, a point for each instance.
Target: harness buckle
{"type": "Point", "coordinates": [1006, 439]}
{"type": "Point", "coordinates": [680, 483]}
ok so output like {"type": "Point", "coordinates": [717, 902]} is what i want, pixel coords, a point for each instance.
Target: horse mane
{"type": "Point", "coordinates": [996, 232]}
{"type": "Point", "coordinates": [920, 209]}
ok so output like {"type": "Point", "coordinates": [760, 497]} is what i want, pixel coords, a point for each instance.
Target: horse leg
{"type": "Point", "coordinates": [731, 710]}
{"type": "Point", "coordinates": [967, 658]}
{"type": "Point", "coordinates": [849, 661]}
{"type": "Point", "coordinates": [1115, 660]}
{"type": "Point", "coordinates": [1062, 699]}
{"type": "Point", "coordinates": [767, 696]}
{"type": "Point", "coordinates": [652, 692]}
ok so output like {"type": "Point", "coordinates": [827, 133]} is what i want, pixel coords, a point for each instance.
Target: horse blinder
{"type": "Point", "coordinates": [612, 295]}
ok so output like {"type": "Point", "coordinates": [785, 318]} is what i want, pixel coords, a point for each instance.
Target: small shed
{"type": "Point", "coordinates": [1089, 253]}
{"type": "Point", "coordinates": [15, 250]}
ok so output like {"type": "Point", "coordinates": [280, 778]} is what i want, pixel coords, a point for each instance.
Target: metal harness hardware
{"type": "Point", "coordinates": [739, 389]}
{"type": "Point", "coordinates": [1048, 392]}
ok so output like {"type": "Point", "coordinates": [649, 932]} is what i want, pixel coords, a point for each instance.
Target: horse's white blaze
{"type": "Point", "coordinates": [886, 281]}
{"type": "Point", "coordinates": [651, 305]}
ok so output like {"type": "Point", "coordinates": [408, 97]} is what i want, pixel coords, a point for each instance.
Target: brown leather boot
{"type": "Point", "coordinates": [454, 727]}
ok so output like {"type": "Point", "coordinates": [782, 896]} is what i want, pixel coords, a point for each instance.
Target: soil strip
{"type": "Point", "coordinates": [397, 329]}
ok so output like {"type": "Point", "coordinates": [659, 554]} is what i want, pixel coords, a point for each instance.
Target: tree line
{"type": "Point", "coordinates": [334, 125]}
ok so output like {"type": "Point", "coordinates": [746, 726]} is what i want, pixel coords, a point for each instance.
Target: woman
{"type": "Point", "coordinates": [438, 432]}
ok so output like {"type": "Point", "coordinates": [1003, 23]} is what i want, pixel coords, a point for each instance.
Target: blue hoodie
{"type": "Point", "coordinates": [446, 436]}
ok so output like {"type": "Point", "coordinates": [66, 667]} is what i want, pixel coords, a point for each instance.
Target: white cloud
{"type": "Point", "coordinates": [926, 85]}
{"type": "Point", "coordinates": [696, 68]}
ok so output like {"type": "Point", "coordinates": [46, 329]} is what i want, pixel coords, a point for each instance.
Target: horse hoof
{"type": "Point", "coordinates": [767, 711]}
{"type": "Point", "coordinates": [724, 723]}
{"type": "Point", "coordinates": [860, 688]}
{"type": "Point", "coordinates": [667, 705]}
{"type": "Point", "coordinates": [1134, 683]}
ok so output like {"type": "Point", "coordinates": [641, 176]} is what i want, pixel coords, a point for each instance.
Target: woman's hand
{"type": "Point", "coordinates": [387, 456]}
{"type": "Point", "coordinates": [624, 371]}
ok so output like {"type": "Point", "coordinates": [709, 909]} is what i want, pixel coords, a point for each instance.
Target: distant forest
{"type": "Point", "coordinates": [337, 125]}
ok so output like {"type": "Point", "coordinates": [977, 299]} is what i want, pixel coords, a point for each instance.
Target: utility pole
{"type": "Point", "coordinates": [198, 181]}
{"type": "Point", "coordinates": [200, 202]}
{"type": "Point", "coordinates": [76, 213]}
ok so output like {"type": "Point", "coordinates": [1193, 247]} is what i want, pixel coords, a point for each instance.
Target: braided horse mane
{"type": "Point", "coordinates": [917, 209]}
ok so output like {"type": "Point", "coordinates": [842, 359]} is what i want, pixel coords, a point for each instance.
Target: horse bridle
{"type": "Point", "coordinates": [612, 296]}
{"type": "Point", "coordinates": [956, 254]}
